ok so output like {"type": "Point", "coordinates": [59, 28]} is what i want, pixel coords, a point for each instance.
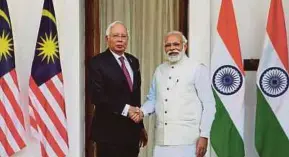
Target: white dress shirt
{"type": "Point", "coordinates": [127, 65]}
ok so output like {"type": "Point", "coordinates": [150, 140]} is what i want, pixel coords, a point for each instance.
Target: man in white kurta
{"type": "Point", "coordinates": [182, 99]}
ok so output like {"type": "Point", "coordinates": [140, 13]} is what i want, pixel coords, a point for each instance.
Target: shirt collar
{"type": "Point", "coordinates": [116, 56]}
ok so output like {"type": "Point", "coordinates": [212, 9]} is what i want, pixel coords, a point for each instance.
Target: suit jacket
{"type": "Point", "coordinates": [110, 93]}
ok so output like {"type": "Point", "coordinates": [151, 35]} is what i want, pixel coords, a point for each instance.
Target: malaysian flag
{"type": "Point", "coordinates": [47, 106]}
{"type": "Point", "coordinates": [12, 129]}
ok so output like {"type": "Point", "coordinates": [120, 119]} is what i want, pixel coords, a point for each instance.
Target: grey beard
{"type": "Point", "coordinates": [175, 59]}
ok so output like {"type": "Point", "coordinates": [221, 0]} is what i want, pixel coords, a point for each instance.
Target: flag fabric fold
{"type": "Point", "coordinates": [46, 91]}
{"type": "Point", "coordinates": [228, 82]}
{"type": "Point", "coordinates": [12, 126]}
{"type": "Point", "coordinates": [272, 125]}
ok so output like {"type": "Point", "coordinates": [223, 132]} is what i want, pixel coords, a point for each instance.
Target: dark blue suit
{"type": "Point", "coordinates": [110, 93]}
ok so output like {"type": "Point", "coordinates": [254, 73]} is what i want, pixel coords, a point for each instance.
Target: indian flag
{"type": "Point", "coordinates": [272, 113]}
{"type": "Point", "coordinates": [228, 86]}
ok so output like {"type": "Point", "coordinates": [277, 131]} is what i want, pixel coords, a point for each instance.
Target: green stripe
{"type": "Point", "coordinates": [225, 138]}
{"type": "Point", "coordinates": [270, 139]}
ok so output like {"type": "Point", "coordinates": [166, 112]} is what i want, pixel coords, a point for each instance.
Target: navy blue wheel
{"type": "Point", "coordinates": [227, 80]}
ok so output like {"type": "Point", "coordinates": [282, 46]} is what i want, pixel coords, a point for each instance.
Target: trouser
{"type": "Point", "coordinates": [116, 150]}
{"type": "Point", "coordinates": [175, 151]}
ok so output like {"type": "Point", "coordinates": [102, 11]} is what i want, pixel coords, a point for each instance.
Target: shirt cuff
{"type": "Point", "coordinates": [125, 110]}
{"type": "Point", "coordinates": [144, 112]}
{"type": "Point", "coordinates": [204, 134]}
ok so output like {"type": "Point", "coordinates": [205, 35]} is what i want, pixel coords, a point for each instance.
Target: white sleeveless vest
{"type": "Point", "coordinates": [178, 107]}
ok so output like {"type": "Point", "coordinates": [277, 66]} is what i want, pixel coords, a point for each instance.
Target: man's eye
{"type": "Point", "coordinates": [176, 44]}
{"type": "Point", "coordinates": [172, 44]}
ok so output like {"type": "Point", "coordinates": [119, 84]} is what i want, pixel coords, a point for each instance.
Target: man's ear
{"type": "Point", "coordinates": [106, 38]}
{"type": "Point", "coordinates": [185, 47]}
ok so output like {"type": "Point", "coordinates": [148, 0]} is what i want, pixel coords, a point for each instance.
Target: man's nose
{"type": "Point", "coordinates": [119, 40]}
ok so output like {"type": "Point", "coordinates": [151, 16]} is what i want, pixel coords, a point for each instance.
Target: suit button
{"type": "Point", "coordinates": [170, 77]}
{"type": "Point", "coordinates": [166, 112]}
{"type": "Point", "coordinates": [168, 88]}
{"type": "Point", "coordinates": [166, 100]}
{"type": "Point", "coordinates": [173, 67]}
{"type": "Point", "coordinates": [166, 123]}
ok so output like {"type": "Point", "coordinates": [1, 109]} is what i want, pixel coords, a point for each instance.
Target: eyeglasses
{"type": "Point", "coordinates": [175, 44]}
{"type": "Point", "coordinates": [121, 36]}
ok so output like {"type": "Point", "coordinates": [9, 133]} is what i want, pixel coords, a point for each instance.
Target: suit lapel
{"type": "Point", "coordinates": [114, 65]}
{"type": "Point", "coordinates": [117, 69]}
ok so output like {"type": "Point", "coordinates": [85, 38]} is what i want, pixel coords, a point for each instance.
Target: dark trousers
{"type": "Point", "coordinates": [112, 150]}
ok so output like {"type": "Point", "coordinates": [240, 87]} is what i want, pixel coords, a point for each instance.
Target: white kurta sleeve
{"type": "Point", "coordinates": [205, 94]}
{"type": "Point", "coordinates": [149, 106]}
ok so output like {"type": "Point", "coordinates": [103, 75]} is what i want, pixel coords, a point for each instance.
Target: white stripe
{"type": "Point", "coordinates": [269, 58]}
{"type": "Point", "coordinates": [33, 130]}
{"type": "Point", "coordinates": [31, 112]}
{"type": "Point", "coordinates": [12, 142]}
{"type": "Point", "coordinates": [53, 103]}
{"type": "Point", "coordinates": [2, 151]}
{"type": "Point", "coordinates": [47, 121]}
{"type": "Point", "coordinates": [35, 133]}
{"type": "Point", "coordinates": [48, 148]}
{"type": "Point", "coordinates": [58, 84]}
{"type": "Point", "coordinates": [8, 107]}
{"type": "Point", "coordinates": [8, 78]}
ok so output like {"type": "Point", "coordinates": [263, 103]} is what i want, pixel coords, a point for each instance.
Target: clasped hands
{"type": "Point", "coordinates": [135, 114]}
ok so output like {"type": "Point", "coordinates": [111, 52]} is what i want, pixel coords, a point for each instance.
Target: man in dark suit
{"type": "Point", "coordinates": [115, 83]}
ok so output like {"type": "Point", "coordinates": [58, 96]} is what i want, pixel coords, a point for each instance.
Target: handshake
{"type": "Point", "coordinates": [135, 114]}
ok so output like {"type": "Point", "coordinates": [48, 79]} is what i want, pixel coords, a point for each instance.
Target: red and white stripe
{"type": "Point", "coordinates": [48, 116]}
{"type": "Point", "coordinates": [12, 130]}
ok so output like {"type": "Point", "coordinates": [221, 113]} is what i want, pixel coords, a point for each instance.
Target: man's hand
{"type": "Point", "coordinates": [201, 147]}
{"type": "Point", "coordinates": [143, 138]}
{"type": "Point", "coordinates": [135, 114]}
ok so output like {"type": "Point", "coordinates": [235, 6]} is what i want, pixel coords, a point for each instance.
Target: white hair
{"type": "Point", "coordinates": [184, 39]}
{"type": "Point", "coordinates": [108, 30]}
